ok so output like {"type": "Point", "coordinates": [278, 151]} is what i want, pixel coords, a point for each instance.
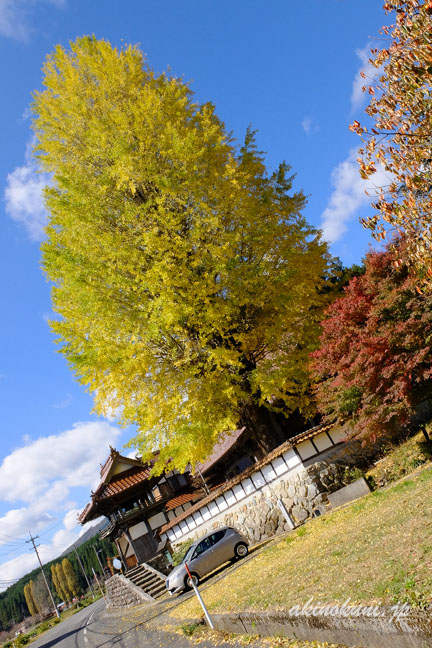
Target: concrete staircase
{"type": "Point", "coordinates": [148, 579]}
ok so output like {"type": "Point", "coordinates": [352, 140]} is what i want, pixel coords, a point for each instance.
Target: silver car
{"type": "Point", "coordinates": [205, 555]}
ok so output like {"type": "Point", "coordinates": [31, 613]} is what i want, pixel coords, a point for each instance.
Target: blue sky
{"type": "Point", "coordinates": [291, 69]}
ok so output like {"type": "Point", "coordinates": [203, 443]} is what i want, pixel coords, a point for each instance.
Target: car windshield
{"type": "Point", "coordinates": [188, 553]}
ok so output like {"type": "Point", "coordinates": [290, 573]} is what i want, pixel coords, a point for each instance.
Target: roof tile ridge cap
{"type": "Point", "coordinates": [113, 453]}
{"type": "Point", "coordinates": [314, 429]}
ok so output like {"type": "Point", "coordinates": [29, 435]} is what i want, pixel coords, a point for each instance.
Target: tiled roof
{"type": "Point", "coordinates": [312, 432]}
{"type": "Point", "coordinates": [277, 452]}
{"type": "Point", "coordinates": [178, 500]}
{"type": "Point", "coordinates": [135, 475]}
{"type": "Point", "coordinates": [114, 456]}
{"type": "Point", "coordinates": [125, 480]}
{"type": "Point", "coordinates": [220, 449]}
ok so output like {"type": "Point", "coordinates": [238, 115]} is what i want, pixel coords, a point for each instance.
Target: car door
{"type": "Point", "coordinates": [200, 561]}
{"type": "Point", "coordinates": [217, 554]}
{"type": "Point", "coordinates": [221, 546]}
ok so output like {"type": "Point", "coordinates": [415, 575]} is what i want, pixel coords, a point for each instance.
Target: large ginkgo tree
{"type": "Point", "coordinates": [189, 287]}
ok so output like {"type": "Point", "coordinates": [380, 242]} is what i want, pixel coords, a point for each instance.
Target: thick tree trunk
{"type": "Point", "coordinates": [264, 428]}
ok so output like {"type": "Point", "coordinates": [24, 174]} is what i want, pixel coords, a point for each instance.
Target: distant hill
{"type": "Point", "coordinates": [90, 533]}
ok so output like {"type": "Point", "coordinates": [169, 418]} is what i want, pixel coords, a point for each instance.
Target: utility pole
{"type": "Point", "coordinates": [35, 546]}
{"type": "Point", "coordinates": [99, 561]}
{"type": "Point", "coordinates": [97, 580]}
{"type": "Point", "coordinates": [83, 571]}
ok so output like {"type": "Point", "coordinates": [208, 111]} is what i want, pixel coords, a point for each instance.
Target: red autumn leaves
{"type": "Point", "coordinates": [375, 360]}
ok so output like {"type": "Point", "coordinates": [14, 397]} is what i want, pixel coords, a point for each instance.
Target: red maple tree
{"type": "Point", "coordinates": [375, 358]}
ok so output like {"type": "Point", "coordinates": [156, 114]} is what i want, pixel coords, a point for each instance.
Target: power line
{"type": "Point", "coordinates": [13, 537]}
{"type": "Point", "coordinates": [13, 545]}
{"type": "Point", "coordinates": [11, 542]}
{"type": "Point", "coordinates": [7, 553]}
{"type": "Point", "coordinates": [51, 528]}
{"type": "Point", "coordinates": [32, 540]}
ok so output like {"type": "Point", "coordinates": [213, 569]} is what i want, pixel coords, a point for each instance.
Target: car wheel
{"type": "Point", "coordinates": [194, 578]}
{"type": "Point", "coordinates": [241, 550]}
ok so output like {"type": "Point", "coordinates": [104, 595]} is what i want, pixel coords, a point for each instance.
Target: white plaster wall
{"type": "Point", "coordinates": [125, 547]}
{"type": "Point", "coordinates": [306, 449]}
{"type": "Point", "coordinates": [196, 524]}
{"type": "Point", "coordinates": [157, 520]}
{"type": "Point", "coordinates": [138, 530]}
{"type": "Point", "coordinates": [337, 434]}
{"type": "Point", "coordinates": [322, 442]}
{"type": "Point", "coordinates": [121, 467]}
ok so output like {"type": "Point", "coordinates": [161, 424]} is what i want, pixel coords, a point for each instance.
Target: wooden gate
{"type": "Point", "coordinates": [145, 547]}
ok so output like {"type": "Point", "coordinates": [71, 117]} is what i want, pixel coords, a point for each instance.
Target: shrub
{"type": "Point", "coordinates": [180, 552]}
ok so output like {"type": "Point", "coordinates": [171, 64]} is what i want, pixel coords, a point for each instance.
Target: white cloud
{"type": "Point", "coordinates": [309, 126]}
{"type": "Point", "coordinates": [47, 468]}
{"type": "Point", "coordinates": [358, 97]}
{"type": "Point", "coordinates": [71, 530]}
{"type": "Point", "coordinates": [16, 567]}
{"type": "Point", "coordinates": [23, 195]}
{"type": "Point", "coordinates": [16, 523]}
{"type": "Point", "coordinates": [14, 16]}
{"type": "Point", "coordinates": [11, 20]}
{"type": "Point", "coordinates": [41, 475]}
{"type": "Point", "coordinates": [349, 195]}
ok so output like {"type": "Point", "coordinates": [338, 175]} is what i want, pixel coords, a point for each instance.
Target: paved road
{"type": "Point", "coordinates": [141, 627]}
{"type": "Point", "coordinates": [95, 627]}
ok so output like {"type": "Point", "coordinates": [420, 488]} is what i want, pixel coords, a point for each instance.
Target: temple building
{"type": "Point", "coordinates": [149, 514]}
{"type": "Point", "coordinates": [138, 504]}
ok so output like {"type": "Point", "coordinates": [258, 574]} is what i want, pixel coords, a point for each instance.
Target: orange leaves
{"type": "Point", "coordinates": [367, 170]}
{"type": "Point", "coordinates": [380, 236]}
{"type": "Point", "coordinates": [355, 127]}
{"type": "Point", "coordinates": [399, 108]}
{"type": "Point", "coordinates": [411, 200]}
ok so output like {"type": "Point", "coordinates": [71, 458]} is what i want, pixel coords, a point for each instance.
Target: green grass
{"type": "Point", "coordinates": [378, 549]}
{"type": "Point", "coordinates": [401, 460]}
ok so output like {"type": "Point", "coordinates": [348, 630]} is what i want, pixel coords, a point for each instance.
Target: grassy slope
{"type": "Point", "coordinates": [402, 459]}
{"type": "Point", "coordinates": [376, 549]}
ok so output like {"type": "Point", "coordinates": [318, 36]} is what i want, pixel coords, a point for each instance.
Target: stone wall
{"type": "Point", "coordinates": [122, 593]}
{"type": "Point", "coordinates": [160, 563]}
{"type": "Point", "coordinates": [374, 627]}
{"type": "Point", "coordinates": [303, 494]}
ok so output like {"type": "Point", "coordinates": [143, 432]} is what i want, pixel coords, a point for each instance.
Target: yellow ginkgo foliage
{"type": "Point", "coordinates": [188, 284]}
